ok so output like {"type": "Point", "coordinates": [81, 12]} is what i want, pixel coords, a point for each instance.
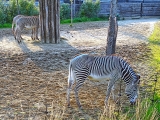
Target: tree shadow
{"type": "Point", "coordinates": [49, 57]}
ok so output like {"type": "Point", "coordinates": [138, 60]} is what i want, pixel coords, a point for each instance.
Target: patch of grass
{"type": "Point", "coordinates": [154, 45]}
{"type": "Point", "coordinates": [144, 110]}
{"type": "Point", "coordinates": [83, 19]}
{"type": "Point", "coordinates": [155, 36]}
{"type": "Point", "coordinates": [6, 25]}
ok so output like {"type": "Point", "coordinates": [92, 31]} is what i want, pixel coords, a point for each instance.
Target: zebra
{"type": "Point", "coordinates": [28, 22]}
{"type": "Point", "coordinates": [14, 22]}
{"type": "Point", "coordinates": [102, 68]}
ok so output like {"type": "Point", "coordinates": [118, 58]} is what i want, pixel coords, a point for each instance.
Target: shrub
{"type": "Point", "coordinates": [89, 9]}
{"type": "Point", "coordinates": [27, 7]}
{"type": "Point", "coordinates": [7, 12]}
{"type": "Point", "coordinates": [3, 12]}
{"type": "Point", "coordinates": [65, 11]}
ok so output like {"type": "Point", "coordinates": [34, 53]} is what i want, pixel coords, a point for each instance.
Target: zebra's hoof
{"type": "Point", "coordinates": [80, 107]}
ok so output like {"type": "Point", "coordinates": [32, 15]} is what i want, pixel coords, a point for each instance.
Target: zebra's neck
{"type": "Point", "coordinates": [128, 75]}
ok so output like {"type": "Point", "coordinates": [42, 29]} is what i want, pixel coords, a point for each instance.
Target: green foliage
{"type": "Point", "coordinates": [27, 7]}
{"type": "Point", "coordinates": [65, 11]}
{"type": "Point", "coordinates": [3, 13]}
{"type": "Point", "coordinates": [7, 12]}
{"type": "Point", "coordinates": [89, 9]}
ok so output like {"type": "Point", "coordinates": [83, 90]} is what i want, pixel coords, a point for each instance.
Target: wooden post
{"type": "Point", "coordinates": [112, 30]}
{"type": "Point", "coordinates": [49, 21]}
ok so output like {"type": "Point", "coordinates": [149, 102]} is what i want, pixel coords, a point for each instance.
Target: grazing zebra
{"type": "Point", "coordinates": [102, 68]}
{"type": "Point", "coordinates": [28, 22]}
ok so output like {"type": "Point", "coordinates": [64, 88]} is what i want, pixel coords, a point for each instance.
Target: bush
{"type": "Point", "coordinates": [89, 9]}
{"type": "Point", "coordinates": [7, 12]}
{"type": "Point", "coordinates": [27, 7]}
{"type": "Point", "coordinates": [3, 13]}
{"type": "Point", "coordinates": [65, 11]}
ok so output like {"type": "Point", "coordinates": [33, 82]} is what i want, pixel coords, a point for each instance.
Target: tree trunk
{"type": "Point", "coordinates": [49, 21]}
{"type": "Point", "coordinates": [18, 7]}
{"type": "Point", "coordinates": [112, 30]}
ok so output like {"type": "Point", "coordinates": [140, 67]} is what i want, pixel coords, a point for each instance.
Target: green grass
{"type": "Point", "coordinates": [67, 21]}
{"type": "Point", "coordinates": [154, 45]}
{"type": "Point", "coordinates": [6, 25]}
{"type": "Point", "coordinates": [83, 19]}
{"type": "Point", "coordinates": [144, 110]}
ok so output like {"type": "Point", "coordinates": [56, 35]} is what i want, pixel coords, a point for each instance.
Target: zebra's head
{"type": "Point", "coordinates": [132, 90]}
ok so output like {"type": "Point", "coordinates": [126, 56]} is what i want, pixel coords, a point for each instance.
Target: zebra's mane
{"type": "Point", "coordinates": [126, 68]}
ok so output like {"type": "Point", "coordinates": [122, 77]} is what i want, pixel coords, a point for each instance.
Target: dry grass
{"type": "Point", "coordinates": [35, 89]}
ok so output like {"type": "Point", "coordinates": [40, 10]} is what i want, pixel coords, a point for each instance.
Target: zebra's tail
{"type": "Point", "coordinates": [13, 28]}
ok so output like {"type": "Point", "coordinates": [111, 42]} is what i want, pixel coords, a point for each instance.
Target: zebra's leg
{"type": "Point", "coordinates": [70, 83]}
{"type": "Point", "coordinates": [112, 92]}
{"type": "Point", "coordinates": [32, 36]}
{"type": "Point", "coordinates": [36, 32]}
{"type": "Point", "coordinates": [110, 85]}
{"type": "Point", "coordinates": [19, 36]}
{"type": "Point", "coordinates": [115, 76]}
{"type": "Point", "coordinates": [16, 34]}
{"type": "Point", "coordinates": [80, 78]}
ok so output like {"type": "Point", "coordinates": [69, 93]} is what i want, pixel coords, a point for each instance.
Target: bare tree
{"type": "Point", "coordinates": [50, 21]}
{"type": "Point", "coordinates": [112, 30]}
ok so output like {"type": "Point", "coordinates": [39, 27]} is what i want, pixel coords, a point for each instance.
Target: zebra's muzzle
{"type": "Point", "coordinates": [132, 103]}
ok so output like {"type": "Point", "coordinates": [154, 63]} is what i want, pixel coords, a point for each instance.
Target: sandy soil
{"type": "Point", "coordinates": [34, 75]}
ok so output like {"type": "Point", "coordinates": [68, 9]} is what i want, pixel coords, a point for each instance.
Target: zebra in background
{"type": "Point", "coordinates": [102, 68]}
{"type": "Point", "coordinates": [28, 22]}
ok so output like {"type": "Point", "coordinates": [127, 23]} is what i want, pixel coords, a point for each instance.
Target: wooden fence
{"type": "Point", "coordinates": [130, 9]}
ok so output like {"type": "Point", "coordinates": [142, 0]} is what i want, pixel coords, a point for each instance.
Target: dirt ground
{"type": "Point", "coordinates": [34, 76]}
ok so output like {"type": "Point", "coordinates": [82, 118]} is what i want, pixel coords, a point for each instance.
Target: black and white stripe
{"type": "Point", "coordinates": [102, 68]}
